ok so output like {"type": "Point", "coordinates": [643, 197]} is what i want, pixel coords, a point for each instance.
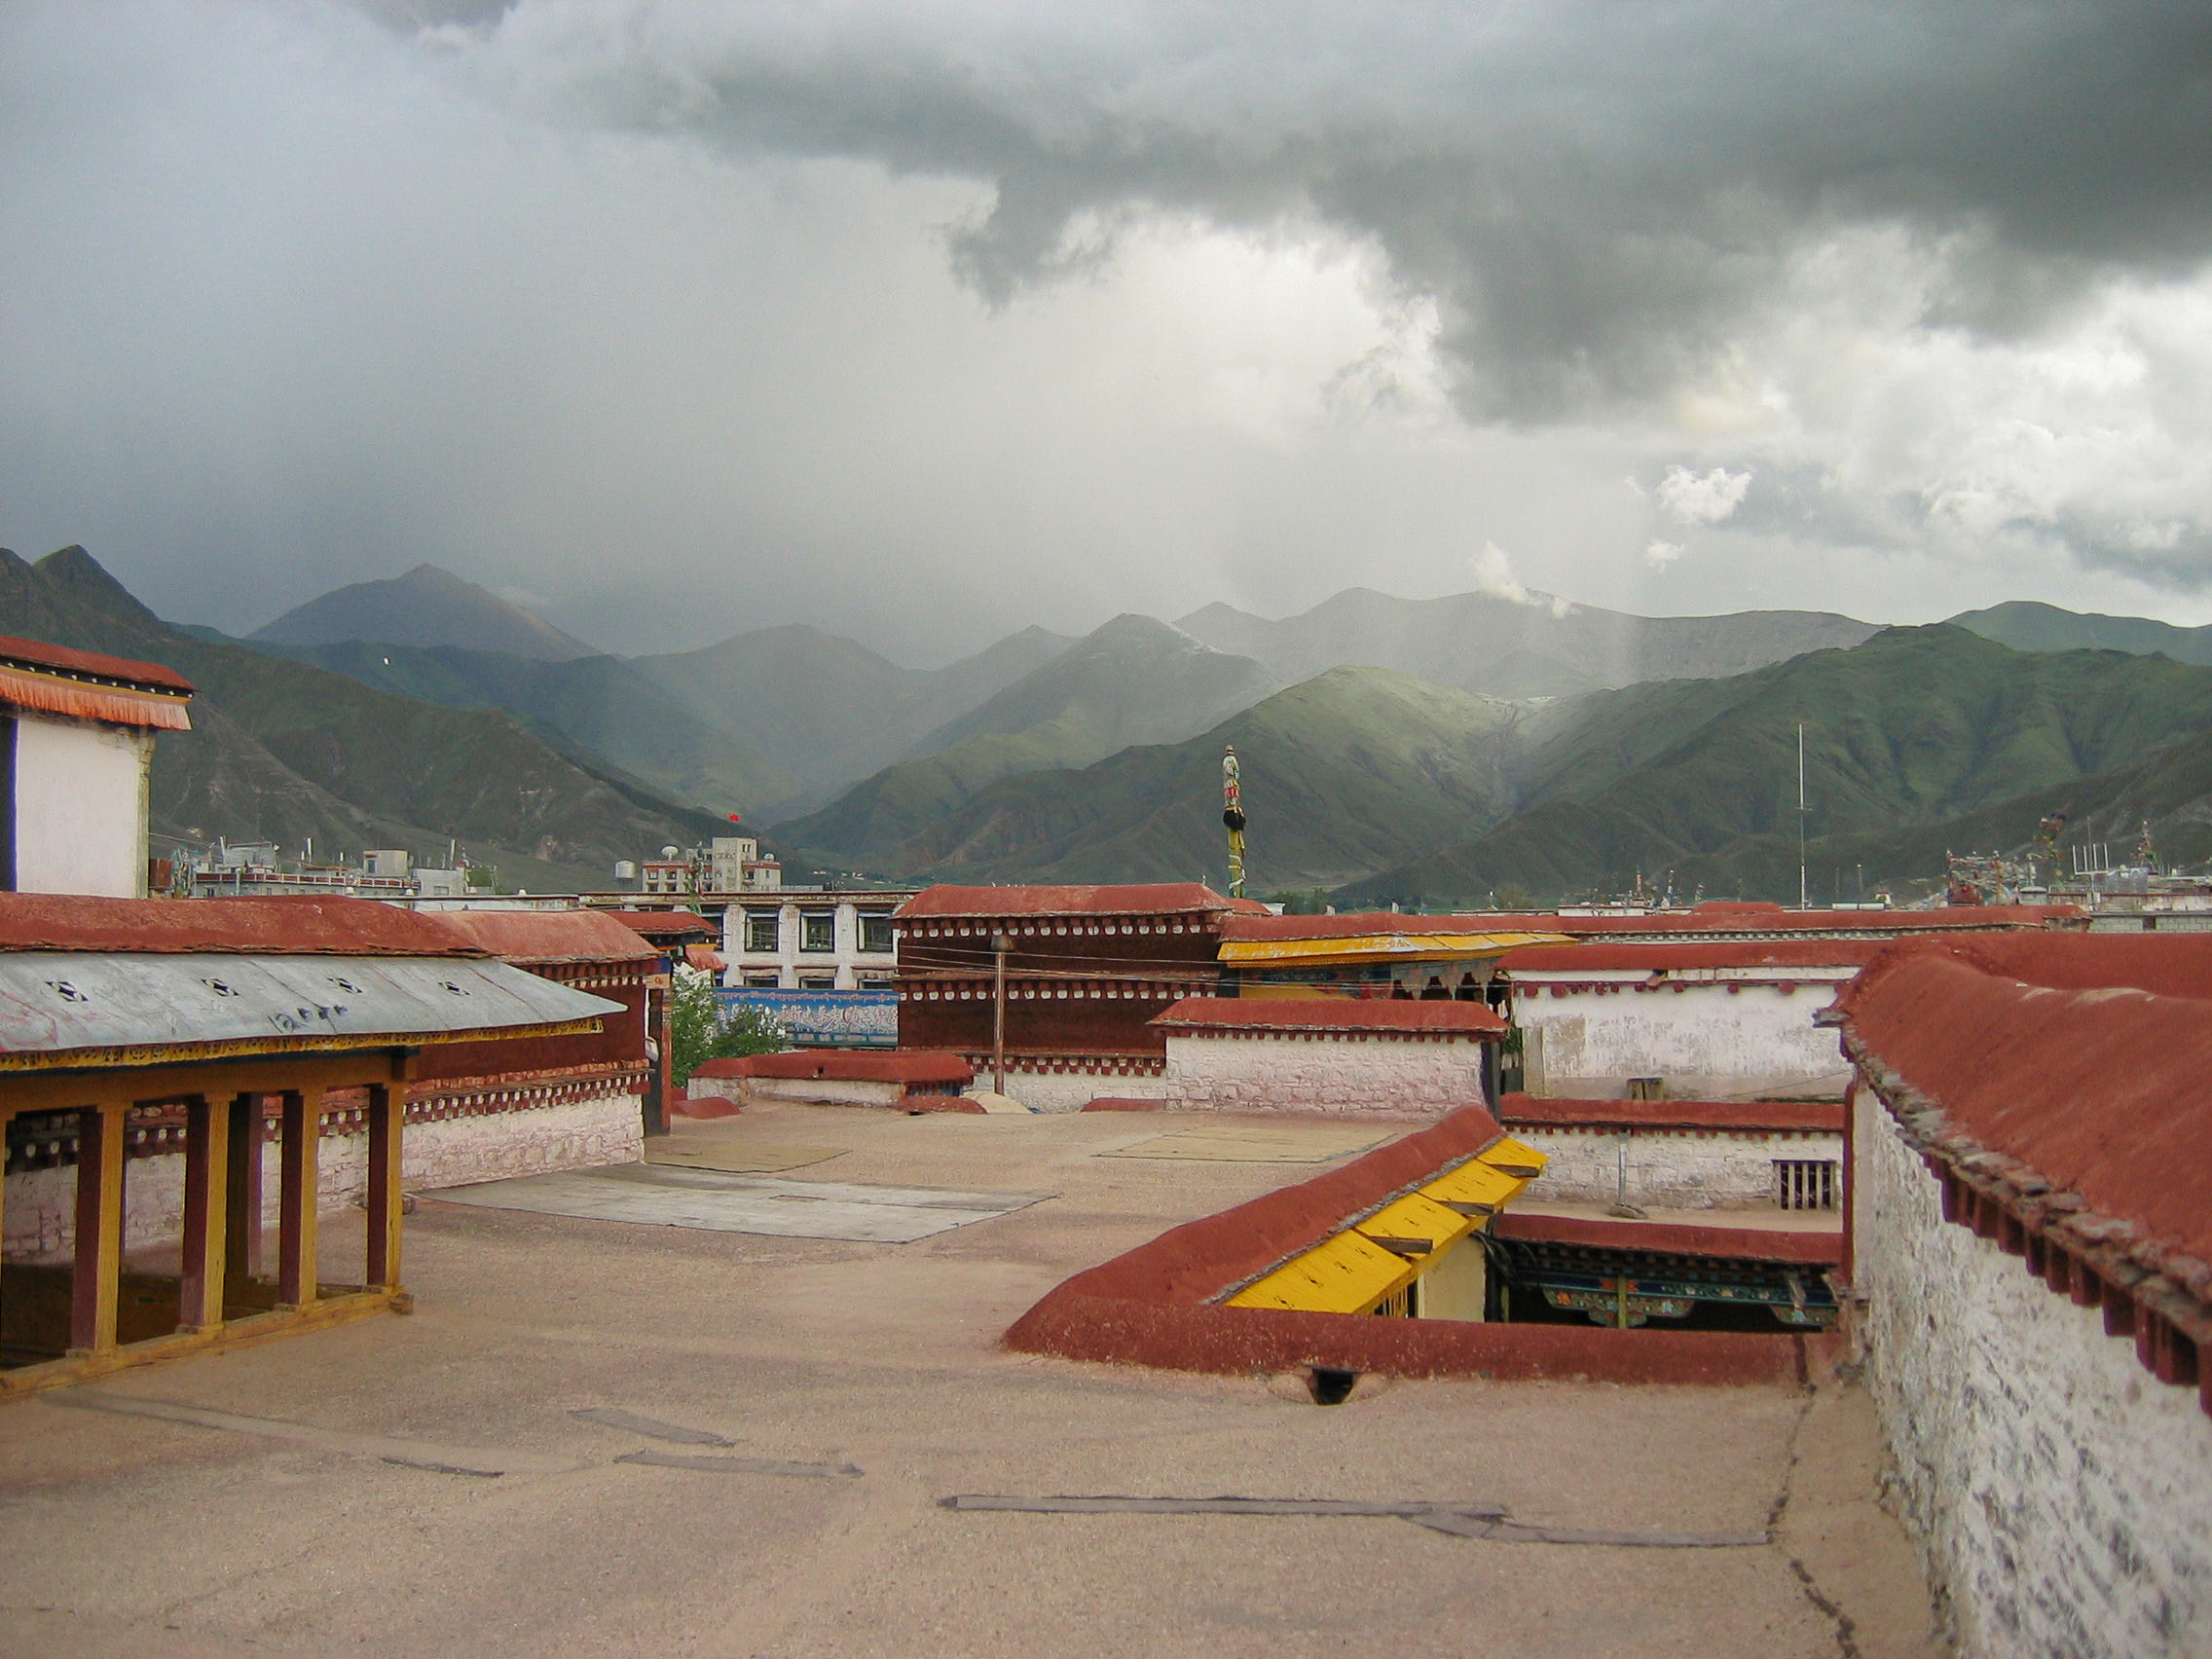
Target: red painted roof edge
{"type": "Point", "coordinates": [650, 922]}
{"type": "Point", "coordinates": [277, 926]}
{"type": "Point", "coordinates": [1661, 957]}
{"type": "Point", "coordinates": [1672, 1238]}
{"type": "Point", "coordinates": [1810, 1117]}
{"type": "Point", "coordinates": [1327, 1014]}
{"type": "Point", "coordinates": [39, 654]}
{"type": "Point", "coordinates": [1349, 926]}
{"type": "Point", "coordinates": [544, 936]}
{"type": "Point", "coordinates": [1893, 924]}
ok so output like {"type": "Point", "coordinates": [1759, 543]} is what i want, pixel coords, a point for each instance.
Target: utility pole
{"type": "Point", "coordinates": [1804, 902]}
{"type": "Point", "coordinates": [1000, 944]}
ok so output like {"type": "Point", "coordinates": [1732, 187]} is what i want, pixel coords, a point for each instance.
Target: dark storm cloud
{"type": "Point", "coordinates": [1601, 196]}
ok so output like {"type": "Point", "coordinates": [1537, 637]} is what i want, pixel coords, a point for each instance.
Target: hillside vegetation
{"type": "Point", "coordinates": [282, 750]}
{"type": "Point", "coordinates": [1356, 767]}
{"type": "Point", "coordinates": [1918, 728]}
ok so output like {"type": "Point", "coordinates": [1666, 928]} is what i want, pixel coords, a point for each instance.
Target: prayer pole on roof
{"type": "Point", "coordinates": [1233, 815]}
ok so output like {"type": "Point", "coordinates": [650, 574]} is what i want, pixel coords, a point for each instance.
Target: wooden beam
{"type": "Point", "coordinates": [207, 1213]}
{"type": "Point", "coordinates": [242, 1197]}
{"type": "Point", "coordinates": [296, 1197]}
{"type": "Point", "coordinates": [387, 1119]}
{"type": "Point", "coordinates": [96, 1277]}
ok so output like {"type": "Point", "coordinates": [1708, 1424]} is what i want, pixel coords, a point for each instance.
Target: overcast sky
{"type": "Point", "coordinates": [924, 323]}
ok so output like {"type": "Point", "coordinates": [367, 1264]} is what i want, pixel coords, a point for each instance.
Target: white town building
{"type": "Point", "coordinates": [76, 755]}
{"type": "Point", "coordinates": [797, 939]}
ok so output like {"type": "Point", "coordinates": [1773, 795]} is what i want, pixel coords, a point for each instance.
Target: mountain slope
{"type": "Point", "coordinates": [2027, 626]}
{"type": "Point", "coordinates": [1353, 768]}
{"type": "Point", "coordinates": [826, 711]}
{"type": "Point", "coordinates": [425, 606]}
{"type": "Point", "coordinates": [1544, 647]}
{"type": "Point", "coordinates": [1133, 680]}
{"type": "Point", "coordinates": [282, 750]}
{"type": "Point", "coordinates": [1917, 726]}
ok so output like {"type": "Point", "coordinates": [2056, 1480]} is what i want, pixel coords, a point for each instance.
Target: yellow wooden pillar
{"type": "Point", "coordinates": [296, 1200]}
{"type": "Point", "coordinates": [95, 1280]}
{"type": "Point", "coordinates": [207, 1213]}
{"type": "Point", "coordinates": [388, 1118]}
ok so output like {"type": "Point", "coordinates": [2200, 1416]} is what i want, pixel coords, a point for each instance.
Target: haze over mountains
{"type": "Point", "coordinates": [1426, 752]}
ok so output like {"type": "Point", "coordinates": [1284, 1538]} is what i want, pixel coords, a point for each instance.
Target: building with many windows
{"type": "Point", "coordinates": [801, 940]}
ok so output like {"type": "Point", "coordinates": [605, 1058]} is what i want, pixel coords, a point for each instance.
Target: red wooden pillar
{"type": "Point", "coordinates": [241, 1197]}
{"type": "Point", "coordinates": [207, 1214]}
{"type": "Point", "coordinates": [96, 1279]}
{"type": "Point", "coordinates": [387, 1116]}
{"type": "Point", "coordinates": [296, 1197]}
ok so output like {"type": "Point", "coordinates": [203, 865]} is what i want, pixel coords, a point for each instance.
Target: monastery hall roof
{"type": "Point", "coordinates": [2060, 1101]}
{"type": "Point", "coordinates": [1145, 899]}
{"type": "Point", "coordinates": [56, 679]}
{"type": "Point", "coordinates": [547, 936]}
{"type": "Point", "coordinates": [1724, 921]}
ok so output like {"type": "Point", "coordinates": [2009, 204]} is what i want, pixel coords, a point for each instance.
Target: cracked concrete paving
{"type": "Point", "coordinates": [136, 1536]}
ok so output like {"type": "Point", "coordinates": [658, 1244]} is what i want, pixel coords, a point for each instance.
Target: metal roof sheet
{"type": "Point", "coordinates": [64, 1003]}
{"type": "Point", "coordinates": [260, 926]}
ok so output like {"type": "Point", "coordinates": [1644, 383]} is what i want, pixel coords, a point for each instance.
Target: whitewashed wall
{"type": "Point", "coordinates": [1708, 1042]}
{"type": "Point", "coordinates": [1070, 1091]}
{"type": "Point", "coordinates": [1669, 1170]}
{"type": "Point", "coordinates": [1341, 1076]}
{"type": "Point", "coordinates": [39, 1207]}
{"type": "Point", "coordinates": [2061, 1495]}
{"type": "Point", "coordinates": [81, 807]}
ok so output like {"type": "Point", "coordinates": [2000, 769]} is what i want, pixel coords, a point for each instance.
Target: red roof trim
{"type": "Point", "coordinates": [260, 927]}
{"type": "Point", "coordinates": [1148, 899]}
{"type": "Point", "coordinates": [847, 1065]}
{"type": "Point", "coordinates": [1533, 961]}
{"type": "Point", "coordinates": [1735, 1243]}
{"type": "Point", "coordinates": [1737, 924]}
{"type": "Point", "coordinates": [545, 936]}
{"type": "Point", "coordinates": [40, 658]}
{"type": "Point", "coordinates": [1329, 1014]}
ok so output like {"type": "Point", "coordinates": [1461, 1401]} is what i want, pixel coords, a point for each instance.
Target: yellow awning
{"type": "Point", "coordinates": [1358, 1267]}
{"type": "Point", "coordinates": [1381, 948]}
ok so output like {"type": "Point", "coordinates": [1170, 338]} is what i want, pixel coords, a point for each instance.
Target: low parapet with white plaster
{"type": "Point", "coordinates": [1683, 1154]}
{"type": "Point", "coordinates": [1328, 1054]}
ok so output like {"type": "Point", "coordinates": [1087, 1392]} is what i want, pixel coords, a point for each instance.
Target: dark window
{"type": "Point", "coordinates": [819, 930]}
{"type": "Point", "coordinates": [761, 929]}
{"type": "Point", "coordinates": [876, 933]}
{"type": "Point", "coordinates": [817, 981]}
{"type": "Point", "coordinates": [1804, 1184]}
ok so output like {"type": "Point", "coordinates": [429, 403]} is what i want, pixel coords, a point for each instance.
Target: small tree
{"type": "Point", "coordinates": [699, 1031]}
{"type": "Point", "coordinates": [1514, 897]}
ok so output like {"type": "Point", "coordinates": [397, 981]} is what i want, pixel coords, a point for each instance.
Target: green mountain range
{"type": "Point", "coordinates": [1135, 680]}
{"type": "Point", "coordinates": [1356, 767]}
{"type": "Point", "coordinates": [282, 750]}
{"type": "Point", "coordinates": [1918, 729]}
{"type": "Point", "coordinates": [2027, 626]}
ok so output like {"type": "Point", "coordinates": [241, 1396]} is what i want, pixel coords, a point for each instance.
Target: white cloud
{"type": "Point", "coordinates": [1660, 554]}
{"type": "Point", "coordinates": [1703, 498]}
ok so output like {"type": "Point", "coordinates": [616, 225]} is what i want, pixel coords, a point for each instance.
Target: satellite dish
{"type": "Point", "coordinates": [668, 852]}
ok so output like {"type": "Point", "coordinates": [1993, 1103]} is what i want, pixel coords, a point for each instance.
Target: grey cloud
{"type": "Point", "coordinates": [1597, 193]}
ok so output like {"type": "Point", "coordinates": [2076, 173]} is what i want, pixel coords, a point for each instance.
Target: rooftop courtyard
{"type": "Point", "coordinates": [729, 1443]}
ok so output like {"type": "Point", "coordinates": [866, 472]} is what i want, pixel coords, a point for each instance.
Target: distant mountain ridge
{"type": "Point", "coordinates": [1539, 646]}
{"type": "Point", "coordinates": [2028, 626]}
{"type": "Point", "coordinates": [425, 606]}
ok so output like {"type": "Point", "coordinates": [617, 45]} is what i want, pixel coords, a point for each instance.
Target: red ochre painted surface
{"type": "Point", "coordinates": [259, 927]}
{"type": "Point", "coordinates": [1722, 920]}
{"type": "Point", "coordinates": [39, 654]}
{"type": "Point", "coordinates": [846, 1066]}
{"type": "Point", "coordinates": [1811, 1116]}
{"type": "Point", "coordinates": [2055, 1056]}
{"type": "Point", "coordinates": [1153, 1305]}
{"type": "Point", "coordinates": [666, 928]}
{"type": "Point", "coordinates": [532, 937]}
{"type": "Point", "coordinates": [1734, 1244]}
{"type": "Point", "coordinates": [1332, 1015]}
{"type": "Point", "coordinates": [1538, 959]}
{"type": "Point", "coordinates": [1247, 930]}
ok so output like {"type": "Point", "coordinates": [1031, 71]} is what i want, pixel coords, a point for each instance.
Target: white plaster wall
{"type": "Point", "coordinates": [817, 1090]}
{"type": "Point", "coordinates": [81, 807]}
{"type": "Point", "coordinates": [1069, 1092]}
{"type": "Point", "coordinates": [1681, 1170]}
{"type": "Point", "coordinates": [1334, 1075]}
{"type": "Point", "coordinates": [2060, 1494]}
{"type": "Point", "coordinates": [1708, 1042]}
{"type": "Point", "coordinates": [39, 1207]}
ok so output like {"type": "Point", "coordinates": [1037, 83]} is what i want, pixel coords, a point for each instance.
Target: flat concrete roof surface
{"type": "Point", "coordinates": [601, 1438]}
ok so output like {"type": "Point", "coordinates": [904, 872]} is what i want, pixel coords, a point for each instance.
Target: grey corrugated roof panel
{"type": "Point", "coordinates": [53, 1002]}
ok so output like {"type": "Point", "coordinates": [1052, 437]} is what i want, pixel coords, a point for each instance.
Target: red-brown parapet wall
{"type": "Point", "coordinates": [1153, 1305]}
